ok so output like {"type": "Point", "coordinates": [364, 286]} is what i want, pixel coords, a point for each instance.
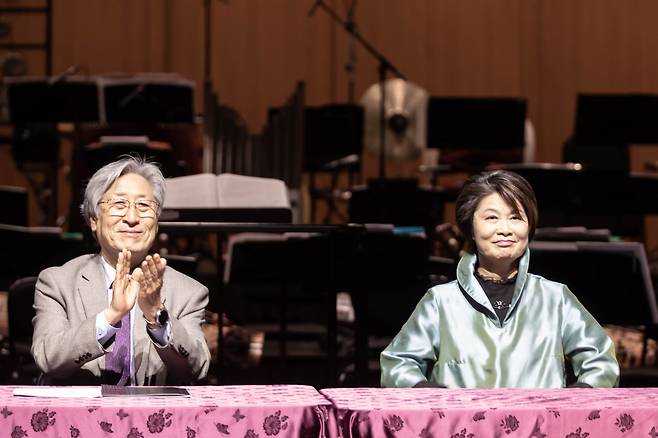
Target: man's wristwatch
{"type": "Point", "coordinates": [161, 318]}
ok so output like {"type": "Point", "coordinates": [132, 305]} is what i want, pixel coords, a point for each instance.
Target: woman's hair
{"type": "Point", "coordinates": [107, 175]}
{"type": "Point", "coordinates": [512, 187]}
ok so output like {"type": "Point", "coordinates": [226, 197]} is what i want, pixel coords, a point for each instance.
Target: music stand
{"type": "Point", "coordinates": [42, 100]}
{"type": "Point", "coordinates": [111, 148]}
{"type": "Point", "coordinates": [333, 141]}
{"type": "Point", "coordinates": [147, 99]}
{"type": "Point", "coordinates": [54, 248]}
{"type": "Point", "coordinates": [282, 274]}
{"type": "Point", "coordinates": [624, 297]}
{"type": "Point", "coordinates": [616, 119]}
{"type": "Point", "coordinates": [401, 202]}
{"type": "Point", "coordinates": [473, 132]}
{"type": "Point", "coordinates": [606, 124]}
{"type": "Point", "coordinates": [35, 105]}
{"type": "Point", "coordinates": [572, 195]}
{"type": "Point", "coordinates": [331, 132]}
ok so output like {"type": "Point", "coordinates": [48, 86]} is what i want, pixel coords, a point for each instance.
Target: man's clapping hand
{"type": "Point", "coordinates": [125, 290]}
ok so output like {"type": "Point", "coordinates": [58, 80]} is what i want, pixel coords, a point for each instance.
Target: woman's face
{"type": "Point", "coordinates": [501, 236]}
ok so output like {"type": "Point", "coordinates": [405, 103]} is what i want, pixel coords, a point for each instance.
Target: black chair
{"type": "Point", "coordinates": [15, 200]}
{"type": "Point", "coordinates": [644, 377]}
{"type": "Point", "coordinates": [187, 264]}
{"type": "Point", "coordinates": [572, 234]}
{"type": "Point", "coordinates": [28, 250]}
{"type": "Point", "coordinates": [613, 281]}
{"type": "Point", "coordinates": [20, 311]}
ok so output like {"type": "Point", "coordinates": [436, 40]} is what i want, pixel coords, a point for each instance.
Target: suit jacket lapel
{"type": "Point", "coordinates": [92, 287]}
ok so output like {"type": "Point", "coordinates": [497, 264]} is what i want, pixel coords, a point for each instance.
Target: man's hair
{"type": "Point", "coordinates": [512, 187]}
{"type": "Point", "coordinates": [107, 175]}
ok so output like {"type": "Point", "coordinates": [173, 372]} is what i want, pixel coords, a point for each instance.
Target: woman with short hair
{"type": "Point", "coordinates": [497, 325]}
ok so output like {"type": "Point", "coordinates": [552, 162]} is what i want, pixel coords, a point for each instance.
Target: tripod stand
{"type": "Point", "coordinates": [382, 70]}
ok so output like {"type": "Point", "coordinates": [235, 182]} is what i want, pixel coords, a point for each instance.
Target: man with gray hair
{"type": "Point", "coordinates": [121, 317]}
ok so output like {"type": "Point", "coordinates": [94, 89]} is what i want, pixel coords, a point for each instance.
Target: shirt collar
{"type": "Point", "coordinates": [110, 272]}
{"type": "Point", "coordinates": [466, 279]}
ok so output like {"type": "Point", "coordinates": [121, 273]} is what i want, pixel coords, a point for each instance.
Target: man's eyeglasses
{"type": "Point", "coordinates": [120, 207]}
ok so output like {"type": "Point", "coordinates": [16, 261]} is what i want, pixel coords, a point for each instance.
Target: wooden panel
{"type": "Point", "coordinates": [263, 47]}
{"type": "Point", "coordinates": [183, 41]}
{"type": "Point", "coordinates": [35, 60]}
{"type": "Point", "coordinates": [591, 46]}
{"type": "Point", "coordinates": [108, 35]}
{"type": "Point", "coordinates": [545, 50]}
{"type": "Point", "coordinates": [24, 28]}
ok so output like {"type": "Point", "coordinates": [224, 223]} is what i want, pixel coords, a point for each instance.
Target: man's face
{"type": "Point", "coordinates": [133, 228]}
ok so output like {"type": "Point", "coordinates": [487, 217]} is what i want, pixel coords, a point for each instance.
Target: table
{"type": "Point", "coordinates": [480, 413]}
{"type": "Point", "coordinates": [211, 411]}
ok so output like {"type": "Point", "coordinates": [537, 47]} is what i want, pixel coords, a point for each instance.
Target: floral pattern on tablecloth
{"type": "Point", "coordinates": [250, 411]}
{"type": "Point", "coordinates": [483, 413]}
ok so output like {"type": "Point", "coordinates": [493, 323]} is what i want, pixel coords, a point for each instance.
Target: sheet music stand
{"type": "Point", "coordinates": [401, 202]}
{"type": "Point", "coordinates": [110, 148]}
{"type": "Point", "coordinates": [42, 100]}
{"type": "Point", "coordinates": [331, 132]}
{"type": "Point", "coordinates": [572, 195]}
{"type": "Point", "coordinates": [287, 277]}
{"type": "Point", "coordinates": [625, 296]}
{"type": "Point", "coordinates": [147, 99]}
{"type": "Point", "coordinates": [473, 132]}
{"type": "Point", "coordinates": [606, 124]}
{"type": "Point", "coordinates": [333, 142]}
{"type": "Point", "coordinates": [217, 227]}
{"type": "Point", "coordinates": [54, 248]}
{"type": "Point", "coordinates": [36, 105]}
{"type": "Point", "coordinates": [616, 119]}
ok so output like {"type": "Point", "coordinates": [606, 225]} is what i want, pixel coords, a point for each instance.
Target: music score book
{"type": "Point", "coordinates": [100, 391]}
{"type": "Point", "coordinates": [207, 190]}
{"type": "Point", "coordinates": [143, 391]}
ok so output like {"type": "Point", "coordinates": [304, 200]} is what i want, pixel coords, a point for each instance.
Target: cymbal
{"type": "Point", "coordinates": [406, 119]}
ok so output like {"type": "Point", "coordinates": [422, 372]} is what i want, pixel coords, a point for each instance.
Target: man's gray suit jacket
{"type": "Point", "coordinates": [68, 298]}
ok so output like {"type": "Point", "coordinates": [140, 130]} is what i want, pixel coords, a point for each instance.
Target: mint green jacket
{"type": "Point", "coordinates": [454, 338]}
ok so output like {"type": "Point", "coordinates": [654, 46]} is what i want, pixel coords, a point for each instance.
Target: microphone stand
{"type": "Point", "coordinates": [350, 67]}
{"type": "Point", "coordinates": [384, 67]}
{"type": "Point", "coordinates": [209, 96]}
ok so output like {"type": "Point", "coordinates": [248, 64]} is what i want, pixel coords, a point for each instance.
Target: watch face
{"type": "Point", "coordinates": [162, 316]}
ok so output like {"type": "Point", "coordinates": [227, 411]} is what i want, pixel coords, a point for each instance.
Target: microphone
{"type": "Point", "coordinates": [70, 70]}
{"type": "Point", "coordinates": [316, 3]}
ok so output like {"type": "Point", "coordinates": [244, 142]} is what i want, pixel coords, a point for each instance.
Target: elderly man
{"type": "Point", "coordinates": [122, 316]}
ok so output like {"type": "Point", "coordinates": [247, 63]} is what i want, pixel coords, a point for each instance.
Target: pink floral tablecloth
{"type": "Point", "coordinates": [211, 411]}
{"type": "Point", "coordinates": [478, 413]}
